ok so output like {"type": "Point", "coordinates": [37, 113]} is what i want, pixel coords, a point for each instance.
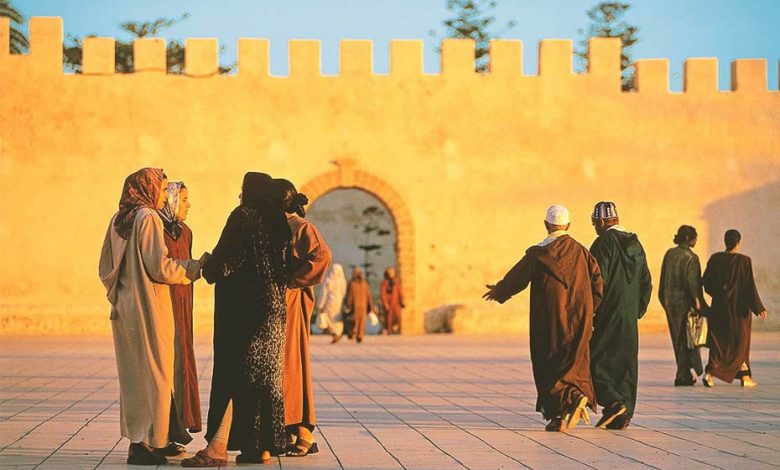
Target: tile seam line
{"type": "Point", "coordinates": [365, 428]}
{"type": "Point", "coordinates": [670, 452]}
{"type": "Point", "coordinates": [361, 393]}
{"type": "Point", "coordinates": [704, 445]}
{"type": "Point", "coordinates": [109, 452]}
{"type": "Point", "coordinates": [14, 385]}
{"type": "Point", "coordinates": [572, 435]}
{"type": "Point", "coordinates": [699, 443]}
{"type": "Point", "coordinates": [39, 402]}
{"type": "Point", "coordinates": [445, 420]}
{"type": "Point", "coordinates": [82, 426]}
{"type": "Point", "coordinates": [510, 430]}
{"type": "Point", "coordinates": [332, 451]}
{"type": "Point", "coordinates": [402, 420]}
{"type": "Point", "coordinates": [59, 412]}
{"type": "Point", "coordinates": [648, 445]}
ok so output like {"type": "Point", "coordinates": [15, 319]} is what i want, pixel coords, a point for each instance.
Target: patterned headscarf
{"type": "Point", "coordinates": [141, 189]}
{"type": "Point", "coordinates": [171, 208]}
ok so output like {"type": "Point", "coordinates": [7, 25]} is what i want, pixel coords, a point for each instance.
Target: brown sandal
{"type": "Point", "coordinates": [202, 459]}
{"type": "Point", "coordinates": [302, 448]}
{"type": "Point", "coordinates": [172, 450]}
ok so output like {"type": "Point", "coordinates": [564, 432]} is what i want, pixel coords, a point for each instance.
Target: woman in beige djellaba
{"type": "Point", "coordinates": [136, 271]}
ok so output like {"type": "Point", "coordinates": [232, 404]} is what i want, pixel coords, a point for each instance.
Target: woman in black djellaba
{"type": "Point", "coordinates": [249, 267]}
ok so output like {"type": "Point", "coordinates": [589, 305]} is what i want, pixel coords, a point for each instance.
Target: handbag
{"type": "Point", "coordinates": [696, 327]}
{"type": "Point", "coordinates": [323, 321]}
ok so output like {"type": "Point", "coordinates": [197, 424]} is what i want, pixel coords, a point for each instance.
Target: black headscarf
{"type": "Point", "coordinates": [256, 189]}
{"type": "Point", "coordinates": [258, 192]}
{"type": "Point", "coordinates": [291, 200]}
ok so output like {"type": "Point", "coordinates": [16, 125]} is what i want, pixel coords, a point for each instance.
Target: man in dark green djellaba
{"type": "Point", "coordinates": [614, 346]}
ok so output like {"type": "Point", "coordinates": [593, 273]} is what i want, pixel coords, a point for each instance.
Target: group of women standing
{"type": "Point", "coordinates": [265, 265]}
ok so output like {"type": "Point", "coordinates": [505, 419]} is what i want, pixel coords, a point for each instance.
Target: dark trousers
{"type": "Point", "coordinates": [686, 359]}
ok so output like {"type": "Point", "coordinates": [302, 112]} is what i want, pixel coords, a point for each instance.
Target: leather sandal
{"type": "Point", "coordinates": [202, 459]}
{"type": "Point", "coordinates": [577, 411]}
{"type": "Point", "coordinates": [172, 450]}
{"type": "Point", "coordinates": [302, 448]}
{"type": "Point", "coordinates": [610, 413]}
{"type": "Point", "coordinates": [706, 379]}
{"type": "Point", "coordinates": [748, 381]}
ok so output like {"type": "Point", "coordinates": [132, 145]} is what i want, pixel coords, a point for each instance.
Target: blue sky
{"type": "Point", "coordinates": [673, 29]}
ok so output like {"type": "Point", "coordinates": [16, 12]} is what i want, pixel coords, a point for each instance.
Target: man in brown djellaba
{"type": "Point", "coordinates": [566, 288]}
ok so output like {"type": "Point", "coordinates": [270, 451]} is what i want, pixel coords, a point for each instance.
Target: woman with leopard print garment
{"type": "Point", "coordinates": [248, 265]}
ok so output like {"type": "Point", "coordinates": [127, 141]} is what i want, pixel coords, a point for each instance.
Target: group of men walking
{"type": "Point", "coordinates": [583, 320]}
{"type": "Point", "coordinates": [585, 307]}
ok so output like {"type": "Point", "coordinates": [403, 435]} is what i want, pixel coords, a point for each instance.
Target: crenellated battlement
{"type": "Point", "coordinates": [464, 161]}
{"type": "Point", "coordinates": [406, 61]}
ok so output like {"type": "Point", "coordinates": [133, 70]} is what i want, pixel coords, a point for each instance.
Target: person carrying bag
{"type": "Point", "coordinates": [696, 327]}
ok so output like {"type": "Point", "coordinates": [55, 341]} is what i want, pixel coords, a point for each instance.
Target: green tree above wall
{"type": "Point", "coordinates": [473, 19]}
{"type": "Point", "coordinates": [73, 49]}
{"type": "Point", "coordinates": [606, 21]}
{"type": "Point", "coordinates": [19, 43]}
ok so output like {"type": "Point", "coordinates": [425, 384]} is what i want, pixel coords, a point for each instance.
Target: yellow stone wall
{"type": "Point", "coordinates": [467, 163]}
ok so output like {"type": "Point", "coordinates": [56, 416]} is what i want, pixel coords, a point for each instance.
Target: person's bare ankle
{"type": "Point", "coordinates": [305, 434]}
{"type": "Point", "coordinates": [217, 452]}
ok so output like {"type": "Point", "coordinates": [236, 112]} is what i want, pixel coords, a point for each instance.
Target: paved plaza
{"type": "Point", "coordinates": [427, 402]}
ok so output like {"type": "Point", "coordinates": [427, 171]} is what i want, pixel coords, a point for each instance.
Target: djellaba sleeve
{"type": "Point", "coordinates": [154, 253]}
{"type": "Point", "coordinates": [311, 257]}
{"type": "Point", "coordinates": [516, 279]}
{"type": "Point", "coordinates": [227, 257]}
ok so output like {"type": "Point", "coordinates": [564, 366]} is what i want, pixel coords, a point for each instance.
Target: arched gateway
{"type": "Point", "coordinates": [347, 176]}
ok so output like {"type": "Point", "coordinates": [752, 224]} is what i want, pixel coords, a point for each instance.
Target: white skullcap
{"type": "Point", "coordinates": [557, 215]}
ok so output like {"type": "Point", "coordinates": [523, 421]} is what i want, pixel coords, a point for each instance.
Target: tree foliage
{"type": "Point", "coordinates": [73, 50]}
{"type": "Point", "coordinates": [473, 19]}
{"type": "Point", "coordinates": [18, 41]}
{"type": "Point", "coordinates": [370, 225]}
{"type": "Point", "coordinates": [606, 21]}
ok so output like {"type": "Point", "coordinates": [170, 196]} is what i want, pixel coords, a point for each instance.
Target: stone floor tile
{"type": "Point", "coordinates": [428, 402]}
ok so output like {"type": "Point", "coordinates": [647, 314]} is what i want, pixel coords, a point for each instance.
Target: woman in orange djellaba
{"type": "Point", "coordinates": [309, 262]}
{"type": "Point", "coordinates": [392, 301]}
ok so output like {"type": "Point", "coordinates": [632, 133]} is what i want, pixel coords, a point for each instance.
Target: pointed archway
{"type": "Point", "coordinates": [347, 176]}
